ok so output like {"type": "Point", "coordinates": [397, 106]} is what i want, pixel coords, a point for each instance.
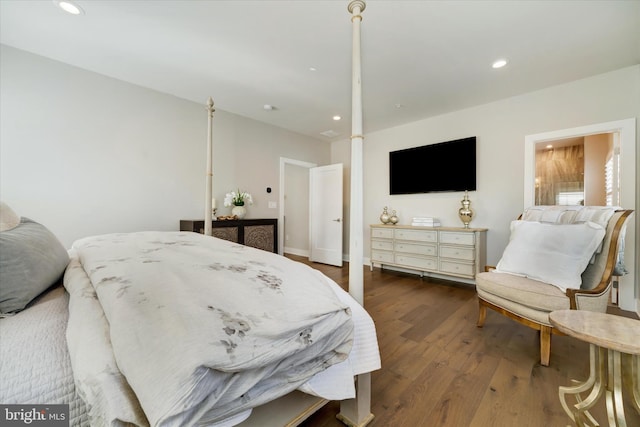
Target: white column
{"type": "Point", "coordinates": [356, 412]}
{"type": "Point", "coordinates": [356, 284]}
{"type": "Point", "coordinates": [208, 208]}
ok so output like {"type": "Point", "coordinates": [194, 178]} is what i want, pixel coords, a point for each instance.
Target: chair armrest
{"type": "Point", "coordinates": [575, 294]}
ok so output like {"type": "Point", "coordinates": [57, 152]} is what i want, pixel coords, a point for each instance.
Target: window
{"type": "Point", "coordinates": [608, 181]}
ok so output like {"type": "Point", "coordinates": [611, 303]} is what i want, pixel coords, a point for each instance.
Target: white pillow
{"type": "Point", "coordinates": [552, 253]}
{"type": "Point", "coordinates": [8, 218]}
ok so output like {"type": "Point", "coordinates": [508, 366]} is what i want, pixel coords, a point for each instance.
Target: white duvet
{"type": "Point", "coordinates": [183, 329]}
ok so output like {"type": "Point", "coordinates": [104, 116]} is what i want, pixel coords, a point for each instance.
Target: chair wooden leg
{"type": "Point", "coordinates": [545, 345]}
{"type": "Point", "coordinates": [482, 314]}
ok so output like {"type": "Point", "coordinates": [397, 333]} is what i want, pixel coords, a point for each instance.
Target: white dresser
{"type": "Point", "coordinates": [450, 251]}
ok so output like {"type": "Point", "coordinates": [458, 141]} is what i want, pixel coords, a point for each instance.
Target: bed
{"type": "Point", "coordinates": [129, 338]}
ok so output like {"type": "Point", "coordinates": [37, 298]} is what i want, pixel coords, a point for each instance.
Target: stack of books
{"type": "Point", "coordinates": [423, 221]}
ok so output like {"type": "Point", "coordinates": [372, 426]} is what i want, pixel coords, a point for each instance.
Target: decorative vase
{"type": "Point", "coordinates": [384, 218]}
{"type": "Point", "coordinates": [394, 218]}
{"type": "Point", "coordinates": [239, 211]}
{"type": "Point", "coordinates": [465, 212]}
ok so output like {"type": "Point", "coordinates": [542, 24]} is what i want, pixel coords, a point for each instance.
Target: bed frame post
{"type": "Point", "coordinates": [357, 412]}
{"type": "Point", "coordinates": [356, 281]}
{"type": "Point", "coordinates": [208, 206]}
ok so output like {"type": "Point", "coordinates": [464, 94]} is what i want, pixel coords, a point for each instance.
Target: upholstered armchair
{"type": "Point", "coordinates": [558, 258]}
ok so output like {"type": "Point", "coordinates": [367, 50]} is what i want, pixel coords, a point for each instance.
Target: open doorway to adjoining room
{"type": "Point", "coordinates": [623, 136]}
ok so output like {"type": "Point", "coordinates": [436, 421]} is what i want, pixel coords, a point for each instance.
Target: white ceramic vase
{"type": "Point", "coordinates": [239, 211]}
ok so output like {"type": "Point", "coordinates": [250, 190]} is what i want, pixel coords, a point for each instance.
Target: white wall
{"type": "Point", "coordinates": [500, 128]}
{"type": "Point", "coordinates": [87, 154]}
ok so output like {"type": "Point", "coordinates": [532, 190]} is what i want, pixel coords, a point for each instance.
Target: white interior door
{"type": "Point", "coordinates": [325, 206]}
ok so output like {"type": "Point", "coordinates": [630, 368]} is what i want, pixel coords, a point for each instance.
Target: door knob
{"type": "Point", "coordinates": [337, 220]}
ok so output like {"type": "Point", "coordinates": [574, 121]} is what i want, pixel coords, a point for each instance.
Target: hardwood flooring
{"type": "Point", "coordinates": [439, 369]}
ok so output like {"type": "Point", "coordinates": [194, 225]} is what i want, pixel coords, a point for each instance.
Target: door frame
{"type": "Point", "coordinates": [283, 163]}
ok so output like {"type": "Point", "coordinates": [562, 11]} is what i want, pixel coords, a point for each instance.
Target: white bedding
{"type": "Point", "coordinates": [35, 366]}
{"type": "Point", "coordinates": [158, 350]}
{"type": "Point", "coordinates": [34, 361]}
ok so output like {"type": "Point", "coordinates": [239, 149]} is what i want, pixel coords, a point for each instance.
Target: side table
{"type": "Point", "coordinates": [608, 336]}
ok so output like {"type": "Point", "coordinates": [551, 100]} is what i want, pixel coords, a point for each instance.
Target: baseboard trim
{"type": "Point", "coordinates": [296, 251]}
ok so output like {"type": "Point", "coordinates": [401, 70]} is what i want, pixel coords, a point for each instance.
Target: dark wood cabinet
{"type": "Point", "coordinates": [257, 233]}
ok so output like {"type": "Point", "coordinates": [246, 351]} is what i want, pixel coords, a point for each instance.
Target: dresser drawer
{"type": "Point", "coordinates": [417, 262]}
{"type": "Point", "coordinates": [384, 233]}
{"type": "Point", "coordinates": [382, 257]}
{"type": "Point", "coordinates": [386, 245]}
{"type": "Point", "coordinates": [459, 268]}
{"type": "Point", "coordinates": [452, 237]}
{"type": "Point", "coordinates": [414, 248]}
{"type": "Point", "coordinates": [417, 235]}
{"type": "Point", "coordinates": [457, 252]}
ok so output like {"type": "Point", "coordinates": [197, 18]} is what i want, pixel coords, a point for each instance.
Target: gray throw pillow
{"type": "Point", "coordinates": [31, 260]}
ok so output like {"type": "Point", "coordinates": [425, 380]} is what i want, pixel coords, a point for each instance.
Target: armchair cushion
{"type": "Point", "coordinates": [556, 254]}
{"type": "Point", "coordinates": [524, 291]}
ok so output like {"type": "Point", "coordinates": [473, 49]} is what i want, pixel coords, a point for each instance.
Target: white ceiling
{"type": "Point", "coordinates": [430, 57]}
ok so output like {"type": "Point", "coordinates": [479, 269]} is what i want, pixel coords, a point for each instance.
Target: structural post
{"type": "Point", "coordinates": [208, 208]}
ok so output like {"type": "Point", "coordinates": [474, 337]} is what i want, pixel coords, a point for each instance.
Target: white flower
{"type": "Point", "coordinates": [239, 198]}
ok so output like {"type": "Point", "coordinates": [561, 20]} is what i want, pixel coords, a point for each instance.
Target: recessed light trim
{"type": "Point", "coordinates": [337, 117]}
{"type": "Point", "coordinates": [69, 7]}
{"type": "Point", "coordinates": [499, 63]}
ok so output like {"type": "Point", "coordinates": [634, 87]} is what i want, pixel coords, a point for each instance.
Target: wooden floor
{"type": "Point", "coordinates": [439, 369]}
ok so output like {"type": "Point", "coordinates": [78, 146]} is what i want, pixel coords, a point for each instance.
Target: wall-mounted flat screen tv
{"type": "Point", "coordinates": [443, 167]}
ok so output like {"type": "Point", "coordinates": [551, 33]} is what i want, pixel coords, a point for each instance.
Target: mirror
{"type": "Point", "coordinates": [578, 171]}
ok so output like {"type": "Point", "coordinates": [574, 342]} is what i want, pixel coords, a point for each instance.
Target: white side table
{"type": "Point", "coordinates": [608, 336]}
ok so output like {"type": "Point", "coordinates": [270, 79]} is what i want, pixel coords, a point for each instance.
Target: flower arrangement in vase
{"type": "Point", "coordinates": [238, 200]}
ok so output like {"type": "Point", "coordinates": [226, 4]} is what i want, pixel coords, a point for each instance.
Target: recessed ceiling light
{"type": "Point", "coordinates": [69, 7]}
{"type": "Point", "coordinates": [336, 118]}
{"type": "Point", "coordinates": [313, 69]}
{"type": "Point", "coordinates": [499, 63]}
{"type": "Point", "coordinates": [268, 107]}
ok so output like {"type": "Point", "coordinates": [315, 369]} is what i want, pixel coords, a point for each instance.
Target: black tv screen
{"type": "Point", "coordinates": [446, 166]}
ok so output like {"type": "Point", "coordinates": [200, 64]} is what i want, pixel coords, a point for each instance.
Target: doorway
{"type": "Point", "coordinates": [629, 288]}
{"type": "Point", "coordinates": [293, 216]}
{"type": "Point", "coordinates": [578, 171]}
